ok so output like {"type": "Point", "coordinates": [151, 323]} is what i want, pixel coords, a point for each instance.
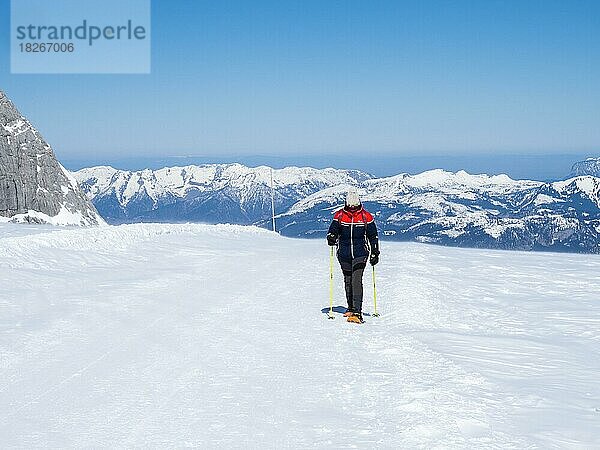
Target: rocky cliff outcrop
{"type": "Point", "coordinates": [34, 187]}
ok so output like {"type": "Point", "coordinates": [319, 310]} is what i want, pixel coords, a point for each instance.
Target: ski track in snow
{"type": "Point", "coordinates": [174, 336]}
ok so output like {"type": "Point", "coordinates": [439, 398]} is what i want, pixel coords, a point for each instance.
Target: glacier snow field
{"type": "Point", "coordinates": [175, 336]}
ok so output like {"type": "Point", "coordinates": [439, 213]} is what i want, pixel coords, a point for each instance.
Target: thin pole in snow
{"type": "Point", "coordinates": [272, 200]}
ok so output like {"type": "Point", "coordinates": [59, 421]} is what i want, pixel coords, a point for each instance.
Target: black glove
{"type": "Point", "coordinates": [374, 258]}
{"type": "Point", "coordinates": [331, 239]}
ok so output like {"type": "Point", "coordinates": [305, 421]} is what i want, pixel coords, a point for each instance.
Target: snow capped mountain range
{"type": "Point", "coordinates": [214, 193]}
{"type": "Point", "coordinates": [436, 206]}
{"type": "Point", "coordinates": [468, 210]}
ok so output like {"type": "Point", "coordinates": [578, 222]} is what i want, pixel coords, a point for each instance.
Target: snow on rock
{"type": "Point", "coordinates": [334, 195]}
{"type": "Point", "coordinates": [64, 217]}
{"type": "Point", "coordinates": [426, 190]}
{"type": "Point", "coordinates": [212, 192]}
{"type": "Point", "coordinates": [34, 187]}
{"type": "Point", "coordinates": [467, 210]}
{"type": "Point", "coordinates": [543, 199]}
{"type": "Point", "coordinates": [461, 180]}
{"type": "Point", "coordinates": [150, 336]}
{"type": "Point", "coordinates": [590, 166]}
{"type": "Point", "coordinates": [586, 185]}
{"type": "Point", "coordinates": [17, 127]}
{"type": "Point", "coordinates": [180, 181]}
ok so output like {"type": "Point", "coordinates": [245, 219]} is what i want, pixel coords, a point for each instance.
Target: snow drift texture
{"type": "Point", "coordinates": [34, 187]}
{"type": "Point", "coordinates": [168, 336]}
{"type": "Point", "coordinates": [448, 208]}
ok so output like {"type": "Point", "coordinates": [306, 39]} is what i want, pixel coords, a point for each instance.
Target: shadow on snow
{"type": "Point", "coordinates": [340, 310]}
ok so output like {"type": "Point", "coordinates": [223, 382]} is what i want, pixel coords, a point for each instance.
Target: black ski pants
{"type": "Point", "coordinates": [353, 274]}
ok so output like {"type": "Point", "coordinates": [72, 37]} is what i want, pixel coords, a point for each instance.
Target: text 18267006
{"type": "Point", "coordinates": [47, 47]}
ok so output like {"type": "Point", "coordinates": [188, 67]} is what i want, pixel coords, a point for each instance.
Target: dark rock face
{"type": "Point", "coordinates": [34, 187]}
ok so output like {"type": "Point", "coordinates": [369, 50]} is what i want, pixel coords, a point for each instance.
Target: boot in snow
{"type": "Point", "coordinates": [356, 318]}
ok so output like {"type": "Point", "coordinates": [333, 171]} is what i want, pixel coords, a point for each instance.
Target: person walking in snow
{"type": "Point", "coordinates": [354, 232]}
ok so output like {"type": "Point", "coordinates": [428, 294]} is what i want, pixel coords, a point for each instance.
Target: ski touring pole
{"type": "Point", "coordinates": [375, 313]}
{"type": "Point", "coordinates": [330, 315]}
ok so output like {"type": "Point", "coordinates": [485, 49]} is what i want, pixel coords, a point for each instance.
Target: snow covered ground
{"type": "Point", "coordinates": [168, 336]}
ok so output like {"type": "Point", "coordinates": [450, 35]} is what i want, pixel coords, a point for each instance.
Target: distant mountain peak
{"type": "Point", "coordinates": [589, 166]}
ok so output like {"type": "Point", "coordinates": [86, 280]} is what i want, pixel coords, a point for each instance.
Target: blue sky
{"type": "Point", "coordinates": [354, 78]}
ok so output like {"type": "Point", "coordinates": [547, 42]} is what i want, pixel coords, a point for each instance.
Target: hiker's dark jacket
{"type": "Point", "coordinates": [357, 234]}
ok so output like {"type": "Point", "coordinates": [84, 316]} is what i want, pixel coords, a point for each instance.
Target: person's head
{"type": "Point", "coordinates": [353, 200]}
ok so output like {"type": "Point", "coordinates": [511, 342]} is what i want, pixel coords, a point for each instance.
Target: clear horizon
{"type": "Point", "coordinates": [345, 79]}
{"type": "Point", "coordinates": [533, 167]}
